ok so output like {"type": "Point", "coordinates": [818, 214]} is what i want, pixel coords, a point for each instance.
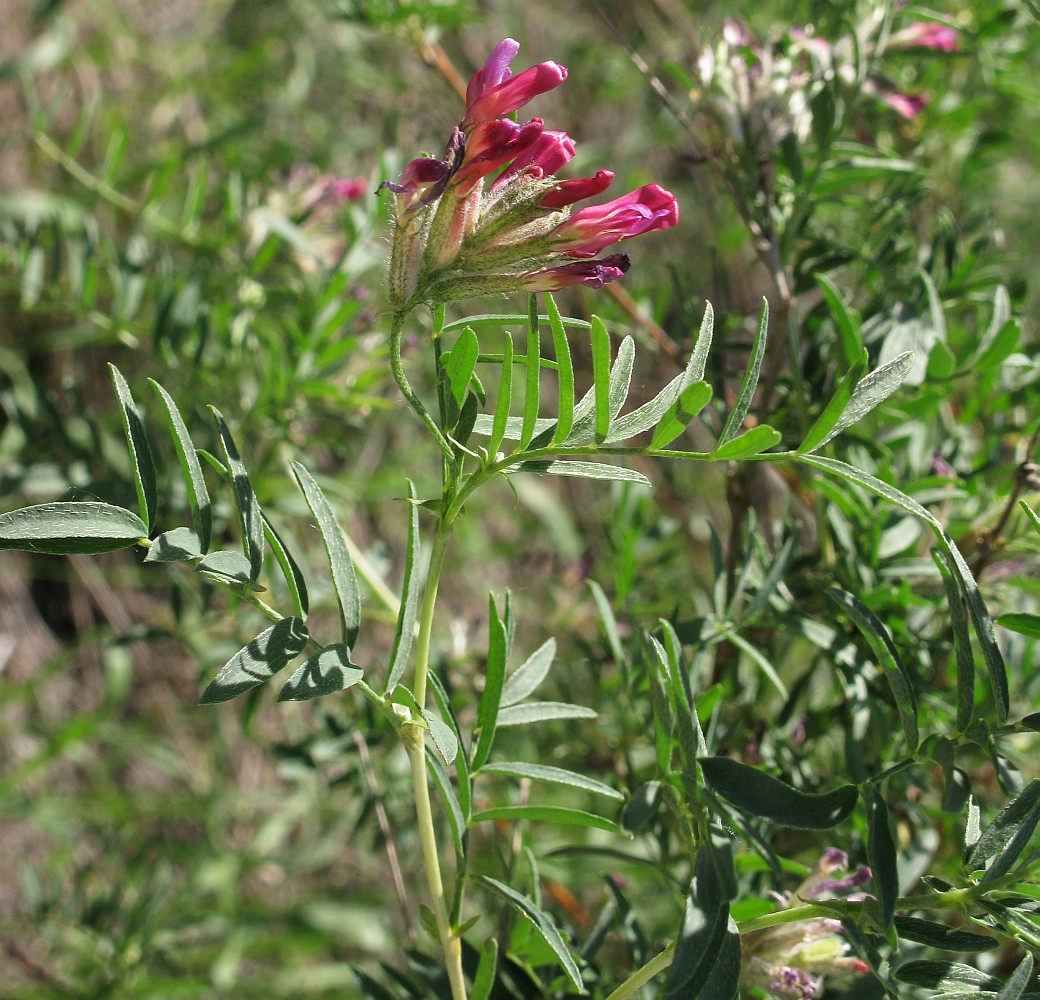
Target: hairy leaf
{"type": "Point", "coordinates": [140, 452]}
{"type": "Point", "coordinates": [257, 662]}
{"type": "Point", "coordinates": [76, 527]}
{"type": "Point", "coordinates": [327, 672]}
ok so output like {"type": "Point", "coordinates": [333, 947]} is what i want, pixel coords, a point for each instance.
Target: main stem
{"type": "Point", "coordinates": [413, 734]}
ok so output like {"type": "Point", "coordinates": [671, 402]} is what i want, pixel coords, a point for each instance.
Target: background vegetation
{"type": "Point", "coordinates": [154, 213]}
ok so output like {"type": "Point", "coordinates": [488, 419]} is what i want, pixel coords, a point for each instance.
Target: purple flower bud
{"type": "Point", "coordinates": [422, 182]}
{"type": "Point", "coordinates": [593, 273]}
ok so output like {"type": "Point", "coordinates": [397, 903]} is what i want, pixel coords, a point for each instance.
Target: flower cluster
{"type": "Point", "coordinates": [759, 92]}
{"type": "Point", "coordinates": [491, 216]}
{"type": "Point", "coordinates": [791, 960]}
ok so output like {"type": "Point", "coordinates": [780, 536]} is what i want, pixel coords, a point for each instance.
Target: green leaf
{"type": "Point", "coordinates": [839, 402]}
{"type": "Point", "coordinates": [176, 545]}
{"type": "Point", "coordinates": [523, 681]}
{"type": "Point", "coordinates": [542, 923]}
{"type": "Point", "coordinates": [881, 852]}
{"type": "Point", "coordinates": [443, 737]}
{"type": "Point", "coordinates": [689, 403]}
{"type": "Point", "coordinates": [701, 934]}
{"type": "Point", "coordinates": [723, 982]}
{"type": "Point", "coordinates": [961, 641]}
{"type": "Point", "coordinates": [484, 978]}
{"type": "Point", "coordinates": [462, 773]}
{"type": "Point", "coordinates": [327, 672]}
{"type": "Point", "coordinates": [534, 370]}
{"type": "Point", "coordinates": [650, 413]}
{"type": "Point", "coordinates": [762, 795]}
{"type": "Point", "coordinates": [564, 372]}
{"type": "Point", "coordinates": [751, 442]}
{"type": "Point", "coordinates": [258, 662]}
{"type": "Point", "coordinates": [556, 775]}
{"type": "Point", "coordinates": [888, 659]}
{"type": "Point", "coordinates": [140, 453]}
{"type": "Point", "coordinates": [542, 711]}
{"type": "Point", "coordinates": [245, 499]}
{"type": "Point", "coordinates": [461, 362]}
{"type": "Point", "coordinates": [72, 528]}
{"type": "Point", "coordinates": [1021, 979]}
{"type": "Point", "coordinates": [505, 390]}
{"type": "Point", "coordinates": [601, 376]}
{"type": "Point", "coordinates": [1022, 622]}
{"type": "Point", "coordinates": [942, 936]}
{"type": "Point", "coordinates": [748, 384]}
{"type": "Point", "coordinates": [699, 357]}
{"type": "Point", "coordinates": [583, 470]}
{"type": "Point", "coordinates": [294, 578]}
{"type": "Point", "coordinates": [494, 680]}
{"type": "Point", "coordinates": [1008, 835]}
{"type": "Point", "coordinates": [845, 319]}
{"type": "Point", "coordinates": [981, 620]}
{"type": "Point", "coordinates": [191, 469]}
{"type": "Point", "coordinates": [547, 814]}
{"type": "Point", "coordinates": [405, 629]}
{"type": "Point", "coordinates": [945, 977]}
{"type": "Point", "coordinates": [609, 622]}
{"type": "Point", "coordinates": [642, 807]}
{"type": "Point", "coordinates": [871, 391]}
{"type": "Point", "coordinates": [343, 579]}
{"type": "Point", "coordinates": [452, 808]}
{"type": "Point", "coordinates": [226, 566]}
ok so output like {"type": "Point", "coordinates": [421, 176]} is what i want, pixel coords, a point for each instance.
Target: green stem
{"type": "Point", "coordinates": [642, 976]}
{"type": "Point", "coordinates": [397, 369]}
{"type": "Point", "coordinates": [451, 946]}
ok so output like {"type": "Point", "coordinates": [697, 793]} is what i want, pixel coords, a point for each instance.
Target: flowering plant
{"type": "Point", "coordinates": [492, 216]}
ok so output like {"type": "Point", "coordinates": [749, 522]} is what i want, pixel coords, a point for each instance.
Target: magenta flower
{"type": "Point", "coordinates": [551, 151]}
{"type": "Point", "coordinates": [593, 273]}
{"type": "Point", "coordinates": [490, 145]}
{"type": "Point", "coordinates": [493, 91]}
{"type": "Point", "coordinates": [926, 35]}
{"type": "Point", "coordinates": [646, 210]}
{"type": "Point", "coordinates": [422, 182]}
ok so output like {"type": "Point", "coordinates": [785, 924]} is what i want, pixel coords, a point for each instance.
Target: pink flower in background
{"type": "Point", "coordinates": [493, 91]}
{"type": "Point", "coordinates": [592, 273]}
{"type": "Point", "coordinates": [907, 105]}
{"type": "Point", "coordinates": [926, 35]}
{"type": "Point", "coordinates": [646, 210]}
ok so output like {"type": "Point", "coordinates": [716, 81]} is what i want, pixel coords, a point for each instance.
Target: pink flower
{"type": "Point", "coordinates": [568, 192]}
{"type": "Point", "coordinates": [488, 146]}
{"type": "Point", "coordinates": [542, 158]}
{"type": "Point", "coordinates": [593, 273]}
{"type": "Point", "coordinates": [493, 91]}
{"type": "Point", "coordinates": [587, 232]}
{"type": "Point", "coordinates": [926, 35]}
